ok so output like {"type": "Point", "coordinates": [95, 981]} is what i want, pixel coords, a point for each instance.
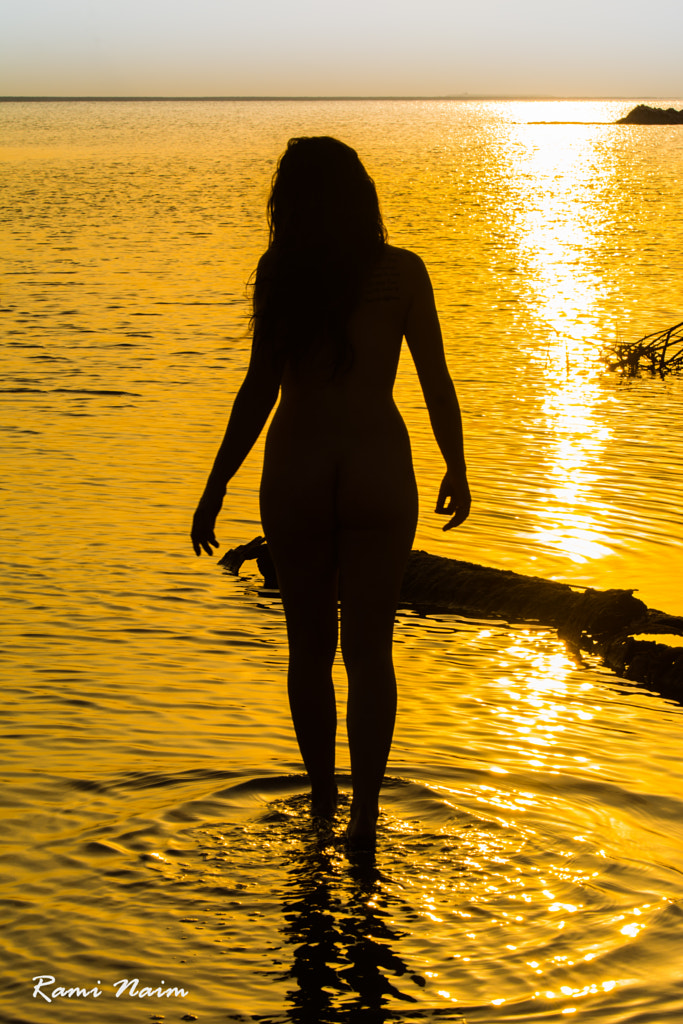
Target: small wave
{"type": "Point", "coordinates": [68, 391]}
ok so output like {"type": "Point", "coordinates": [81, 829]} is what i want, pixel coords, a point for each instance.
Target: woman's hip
{"type": "Point", "coordinates": [319, 489]}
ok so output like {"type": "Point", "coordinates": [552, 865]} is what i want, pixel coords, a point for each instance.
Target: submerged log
{"type": "Point", "coordinates": [452, 585]}
{"type": "Point", "coordinates": [234, 559]}
{"type": "Point", "coordinates": [642, 114]}
{"type": "Point", "coordinates": [661, 352]}
{"type": "Point", "coordinates": [656, 666]}
{"type": "Point", "coordinates": [603, 622]}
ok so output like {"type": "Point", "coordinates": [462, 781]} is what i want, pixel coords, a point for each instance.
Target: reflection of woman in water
{"type": "Point", "coordinates": [332, 303]}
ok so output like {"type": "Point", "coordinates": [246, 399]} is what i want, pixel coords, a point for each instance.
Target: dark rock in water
{"type": "Point", "coordinates": [642, 114]}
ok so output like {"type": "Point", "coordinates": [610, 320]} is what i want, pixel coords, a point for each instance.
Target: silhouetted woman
{"type": "Point", "coordinates": [332, 303]}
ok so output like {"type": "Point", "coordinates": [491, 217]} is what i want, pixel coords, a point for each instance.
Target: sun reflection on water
{"type": "Point", "coordinates": [559, 176]}
{"type": "Point", "coordinates": [558, 183]}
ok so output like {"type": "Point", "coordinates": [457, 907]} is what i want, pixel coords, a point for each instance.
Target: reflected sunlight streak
{"type": "Point", "coordinates": [559, 174]}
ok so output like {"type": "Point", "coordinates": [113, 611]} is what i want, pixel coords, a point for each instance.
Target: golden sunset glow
{"type": "Point", "coordinates": [158, 823]}
{"type": "Point", "coordinates": [403, 48]}
{"type": "Point", "coordinates": [558, 179]}
{"type": "Point", "coordinates": [559, 173]}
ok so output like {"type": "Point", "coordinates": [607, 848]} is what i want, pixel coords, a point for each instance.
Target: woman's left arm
{"type": "Point", "coordinates": [252, 407]}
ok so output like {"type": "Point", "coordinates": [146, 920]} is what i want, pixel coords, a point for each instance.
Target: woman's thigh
{"type": "Point", "coordinates": [378, 509]}
{"type": "Point", "coordinates": [344, 523]}
{"type": "Point", "coordinates": [297, 514]}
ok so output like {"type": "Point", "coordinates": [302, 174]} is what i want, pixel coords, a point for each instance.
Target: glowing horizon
{"type": "Point", "coordinates": [438, 48]}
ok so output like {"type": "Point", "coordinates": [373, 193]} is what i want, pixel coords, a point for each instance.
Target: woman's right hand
{"type": "Point", "coordinates": [454, 498]}
{"type": "Point", "coordinates": [204, 523]}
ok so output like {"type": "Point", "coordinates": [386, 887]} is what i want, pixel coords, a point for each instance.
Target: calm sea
{"type": "Point", "coordinates": [155, 823]}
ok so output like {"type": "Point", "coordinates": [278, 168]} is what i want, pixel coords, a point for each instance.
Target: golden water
{"type": "Point", "coordinates": [155, 827]}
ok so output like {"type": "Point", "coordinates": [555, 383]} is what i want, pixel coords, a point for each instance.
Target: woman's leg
{"type": "Point", "coordinates": [304, 553]}
{"type": "Point", "coordinates": [350, 521]}
{"type": "Point", "coordinates": [374, 545]}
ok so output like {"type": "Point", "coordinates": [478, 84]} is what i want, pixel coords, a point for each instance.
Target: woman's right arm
{"type": "Point", "coordinates": [252, 406]}
{"type": "Point", "coordinates": [423, 335]}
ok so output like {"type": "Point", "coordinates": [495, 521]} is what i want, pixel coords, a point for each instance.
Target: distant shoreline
{"type": "Point", "coordinates": [232, 99]}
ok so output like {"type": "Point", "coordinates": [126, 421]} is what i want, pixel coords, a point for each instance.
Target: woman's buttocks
{"type": "Point", "coordinates": [348, 465]}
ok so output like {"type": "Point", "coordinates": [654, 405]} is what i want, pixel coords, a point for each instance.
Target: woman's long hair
{"type": "Point", "coordinates": [326, 232]}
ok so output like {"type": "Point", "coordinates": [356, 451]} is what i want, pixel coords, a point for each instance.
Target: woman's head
{"type": "Point", "coordinates": [323, 198]}
{"type": "Point", "coordinates": [326, 232]}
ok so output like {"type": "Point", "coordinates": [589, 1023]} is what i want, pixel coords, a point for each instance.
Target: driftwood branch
{"type": "Point", "coordinates": [257, 549]}
{"type": "Point", "coordinates": [661, 352]}
{"type": "Point", "coordinates": [604, 622]}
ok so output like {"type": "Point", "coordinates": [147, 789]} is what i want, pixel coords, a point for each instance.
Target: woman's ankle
{"type": "Point", "coordinates": [363, 817]}
{"type": "Point", "coordinates": [324, 802]}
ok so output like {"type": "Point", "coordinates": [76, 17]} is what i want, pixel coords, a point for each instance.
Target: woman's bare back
{"type": "Point", "coordinates": [337, 450]}
{"type": "Point", "coordinates": [375, 330]}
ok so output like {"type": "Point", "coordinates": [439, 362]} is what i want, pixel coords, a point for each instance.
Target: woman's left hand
{"type": "Point", "coordinates": [204, 524]}
{"type": "Point", "coordinates": [454, 497]}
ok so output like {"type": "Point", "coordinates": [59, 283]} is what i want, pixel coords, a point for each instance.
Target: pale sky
{"type": "Point", "coordinates": [341, 47]}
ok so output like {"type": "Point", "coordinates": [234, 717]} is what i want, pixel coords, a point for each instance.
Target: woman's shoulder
{"type": "Point", "coordinates": [398, 275]}
{"type": "Point", "coordinates": [407, 263]}
{"type": "Point", "coordinates": [402, 256]}
{"type": "Point", "coordinates": [265, 264]}
{"type": "Point", "coordinates": [407, 269]}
